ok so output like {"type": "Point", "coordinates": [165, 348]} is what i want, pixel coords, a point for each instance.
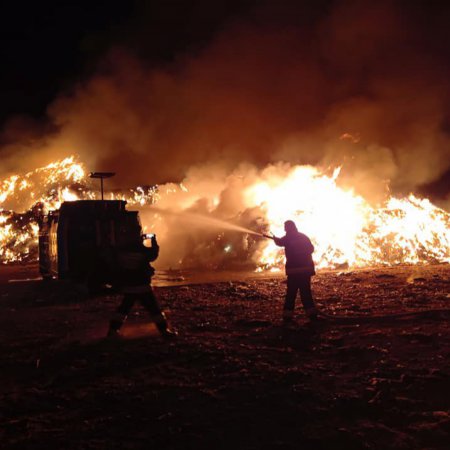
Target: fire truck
{"type": "Point", "coordinates": [77, 242]}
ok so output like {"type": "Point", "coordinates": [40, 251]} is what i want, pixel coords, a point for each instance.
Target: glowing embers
{"type": "Point", "coordinates": [40, 190]}
{"type": "Point", "coordinates": [409, 230]}
{"type": "Point", "coordinates": [18, 236]}
{"type": "Point", "coordinates": [49, 185]}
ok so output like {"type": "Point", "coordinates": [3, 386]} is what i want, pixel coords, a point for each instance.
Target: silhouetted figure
{"type": "Point", "coordinates": [299, 269]}
{"type": "Point", "coordinates": [132, 277]}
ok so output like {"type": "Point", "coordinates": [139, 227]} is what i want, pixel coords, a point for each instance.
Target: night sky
{"type": "Point", "coordinates": [46, 47]}
{"type": "Point", "coordinates": [234, 79]}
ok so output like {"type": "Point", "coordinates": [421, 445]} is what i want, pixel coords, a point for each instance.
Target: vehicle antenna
{"type": "Point", "coordinates": [101, 175]}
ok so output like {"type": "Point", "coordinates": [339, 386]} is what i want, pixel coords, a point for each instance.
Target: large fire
{"type": "Point", "coordinates": [24, 198]}
{"type": "Point", "coordinates": [345, 229]}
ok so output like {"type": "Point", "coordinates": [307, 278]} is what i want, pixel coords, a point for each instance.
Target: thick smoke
{"type": "Point", "coordinates": [354, 84]}
{"type": "Point", "coordinates": [192, 219]}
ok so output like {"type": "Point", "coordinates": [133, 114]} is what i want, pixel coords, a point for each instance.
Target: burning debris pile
{"type": "Point", "coordinates": [190, 218]}
{"type": "Point", "coordinates": [346, 229]}
{"type": "Point", "coordinates": [24, 199]}
{"type": "Point", "coordinates": [18, 235]}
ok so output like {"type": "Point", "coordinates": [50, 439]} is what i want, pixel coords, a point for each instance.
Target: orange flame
{"type": "Point", "coordinates": [345, 229]}
{"type": "Point", "coordinates": [44, 189]}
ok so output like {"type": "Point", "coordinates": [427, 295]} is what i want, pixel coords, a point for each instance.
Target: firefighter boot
{"type": "Point", "coordinates": [160, 321]}
{"type": "Point", "coordinates": [288, 317]}
{"type": "Point", "coordinates": [312, 313]}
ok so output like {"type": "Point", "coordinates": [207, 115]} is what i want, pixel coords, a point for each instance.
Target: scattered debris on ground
{"type": "Point", "coordinates": [235, 378]}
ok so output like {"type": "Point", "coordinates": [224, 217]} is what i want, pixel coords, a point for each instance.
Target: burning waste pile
{"type": "Point", "coordinates": [25, 198]}
{"type": "Point", "coordinates": [214, 218]}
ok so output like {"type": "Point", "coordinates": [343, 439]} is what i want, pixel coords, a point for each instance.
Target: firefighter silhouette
{"type": "Point", "coordinates": [133, 273]}
{"type": "Point", "coordinates": [299, 270]}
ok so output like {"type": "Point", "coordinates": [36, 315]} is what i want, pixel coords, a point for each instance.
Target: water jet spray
{"type": "Point", "coordinates": [203, 220]}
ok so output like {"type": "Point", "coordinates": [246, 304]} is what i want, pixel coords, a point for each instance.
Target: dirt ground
{"type": "Point", "coordinates": [234, 378]}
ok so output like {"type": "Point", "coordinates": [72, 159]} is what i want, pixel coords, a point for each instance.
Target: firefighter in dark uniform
{"type": "Point", "coordinates": [299, 270]}
{"type": "Point", "coordinates": [133, 274]}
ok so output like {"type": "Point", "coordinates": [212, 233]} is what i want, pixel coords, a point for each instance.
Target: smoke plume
{"type": "Point", "coordinates": [351, 83]}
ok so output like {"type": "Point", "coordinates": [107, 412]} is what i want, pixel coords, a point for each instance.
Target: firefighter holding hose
{"type": "Point", "coordinates": [133, 273]}
{"type": "Point", "coordinates": [299, 270]}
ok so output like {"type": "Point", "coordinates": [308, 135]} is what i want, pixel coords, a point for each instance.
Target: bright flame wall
{"type": "Point", "coordinates": [345, 229]}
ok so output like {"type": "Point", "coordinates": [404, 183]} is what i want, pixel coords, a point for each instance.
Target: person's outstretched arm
{"type": "Point", "coordinates": [153, 251]}
{"type": "Point", "coordinates": [279, 241]}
